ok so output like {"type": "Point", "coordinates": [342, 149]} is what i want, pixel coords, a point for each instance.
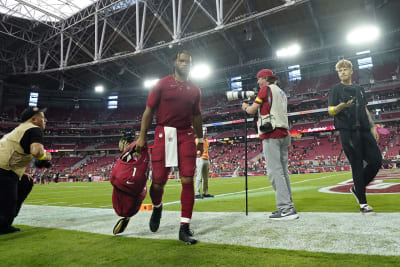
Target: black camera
{"type": "Point", "coordinates": [266, 127]}
{"type": "Point", "coordinates": [349, 94]}
{"type": "Point", "coordinates": [42, 163]}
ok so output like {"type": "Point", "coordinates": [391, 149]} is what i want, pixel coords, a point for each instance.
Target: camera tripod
{"type": "Point", "coordinates": [245, 162]}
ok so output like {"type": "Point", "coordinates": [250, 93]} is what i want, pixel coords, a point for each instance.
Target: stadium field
{"type": "Point", "coordinates": [70, 224]}
{"type": "Point", "coordinates": [230, 196]}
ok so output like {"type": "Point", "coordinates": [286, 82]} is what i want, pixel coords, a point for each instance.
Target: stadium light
{"type": "Point", "coordinates": [150, 83]}
{"type": "Point", "coordinates": [289, 51]}
{"type": "Point", "coordinates": [363, 52]}
{"type": "Point", "coordinates": [99, 89]}
{"type": "Point", "coordinates": [200, 72]}
{"type": "Point", "coordinates": [363, 34]}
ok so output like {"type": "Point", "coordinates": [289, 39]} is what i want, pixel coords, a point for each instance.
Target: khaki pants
{"type": "Point", "coordinates": [276, 155]}
{"type": "Point", "coordinates": [202, 169]}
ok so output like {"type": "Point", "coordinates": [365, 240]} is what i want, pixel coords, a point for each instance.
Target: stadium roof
{"type": "Point", "coordinates": [40, 10]}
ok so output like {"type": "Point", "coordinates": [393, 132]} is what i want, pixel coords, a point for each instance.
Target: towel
{"type": "Point", "coordinates": [171, 147]}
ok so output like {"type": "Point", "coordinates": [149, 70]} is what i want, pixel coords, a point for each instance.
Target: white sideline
{"type": "Point", "coordinates": [256, 189]}
{"type": "Point", "coordinates": [314, 231]}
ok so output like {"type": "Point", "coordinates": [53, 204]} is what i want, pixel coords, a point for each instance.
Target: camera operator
{"type": "Point", "coordinates": [348, 105]}
{"type": "Point", "coordinates": [17, 149]}
{"type": "Point", "coordinates": [272, 124]}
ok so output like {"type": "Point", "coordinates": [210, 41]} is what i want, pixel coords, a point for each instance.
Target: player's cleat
{"type": "Point", "coordinates": [367, 210]}
{"type": "Point", "coordinates": [208, 195]}
{"type": "Point", "coordinates": [121, 225]}
{"type": "Point", "coordinates": [8, 230]}
{"type": "Point", "coordinates": [198, 196]}
{"type": "Point", "coordinates": [155, 219]}
{"type": "Point", "coordinates": [353, 191]}
{"type": "Point", "coordinates": [186, 235]}
{"type": "Point", "coordinates": [285, 215]}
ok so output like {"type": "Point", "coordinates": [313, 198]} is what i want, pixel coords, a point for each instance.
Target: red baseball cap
{"type": "Point", "coordinates": [265, 73]}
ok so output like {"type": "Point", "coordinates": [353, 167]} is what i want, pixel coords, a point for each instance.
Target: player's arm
{"type": "Point", "coordinates": [198, 129]}
{"type": "Point", "coordinates": [33, 140]}
{"type": "Point", "coordinates": [334, 110]}
{"type": "Point", "coordinates": [38, 151]}
{"type": "Point", "coordinates": [147, 118]}
{"type": "Point", "coordinates": [372, 124]}
{"type": "Point", "coordinates": [251, 109]}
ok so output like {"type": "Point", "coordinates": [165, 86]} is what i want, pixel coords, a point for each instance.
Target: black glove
{"type": "Point", "coordinates": [42, 163]}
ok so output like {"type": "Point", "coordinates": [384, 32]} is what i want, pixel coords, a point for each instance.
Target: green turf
{"type": "Point", "coordinates": [261, 196]}
{"type": "Point", "coordinates": [35, 246]}
{"type": "Point", "coordinates": [51, 247]}
{"type": "Point", "coordinates": [392, 181]}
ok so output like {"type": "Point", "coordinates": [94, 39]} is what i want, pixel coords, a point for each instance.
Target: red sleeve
{"type": "Point", "coordinates": [154, 96]}
{"type": "Point", "coordinates": [262, 96]}
{"type": "Point", "coordinates": [197, 104]}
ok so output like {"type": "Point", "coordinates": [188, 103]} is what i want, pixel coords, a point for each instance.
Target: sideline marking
{"type": "Point", "coordinates": [257, 189]}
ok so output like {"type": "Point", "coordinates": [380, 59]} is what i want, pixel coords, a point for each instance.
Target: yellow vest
{"type": "Point", "coordinates": [12, 155]}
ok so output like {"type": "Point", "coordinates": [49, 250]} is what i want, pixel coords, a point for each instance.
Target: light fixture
{"type": "Point", "coordinates": [363, 34]}
{"type": "Point", "coordinates": [200, 71]}
{"type": "Point", "coordinates": [150, 83]}
{"type": "Point", "coordinates": [99, 89]}
{"type": "Point", "coordinates": [289, 51]}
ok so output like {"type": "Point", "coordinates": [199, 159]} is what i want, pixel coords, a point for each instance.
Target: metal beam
{"type": "Point", "coordinates": [316, 23]}
{"type": "Point", "coordinates": [119, 30]}
{"type": "Point", "coordinates": [251, 17]}
{"type": "Point", "coordinates": [233, 43]}
{"type": "Point", "coordinates": [35, 7]}
{"type": "Point", "coordinates": [232, 10]}
{"type": "Point", "coordinates": [231, 40]}
{"type": "Point", "coordinates": [251, 7]}
{"type": "Point", "coordinates": [18, 32]}
{"type": "Point", "coordinates": [28, 11]}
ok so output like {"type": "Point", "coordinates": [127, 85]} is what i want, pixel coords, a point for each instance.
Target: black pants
{"type": "Point", "coordinates": [13, 192]}
{"type": "Point", "coordinates": [360, 146]}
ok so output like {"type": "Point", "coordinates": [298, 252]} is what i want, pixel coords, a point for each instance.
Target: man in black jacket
{"type": "Point", "coordinates": [358, 135]}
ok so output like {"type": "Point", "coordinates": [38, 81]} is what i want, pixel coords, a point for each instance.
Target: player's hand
{"type": "Point", "coordinates": [375, 133]}
{"type": "Point", "coordinates": [200, 148]}
{"type": "Point", "coordinates": [348, 103]}
{"type": "Point", "coordinates": [140, 144]}
{"type": "Point", "coordinates": [27, 176]}
{"type": "Point", "coordinates": [244, 106]}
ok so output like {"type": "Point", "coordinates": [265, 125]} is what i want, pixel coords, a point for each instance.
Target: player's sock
{"type": "Point", "coordinates": [187, 202]}
{"type": "Point", "coordinates": [156, 196]}
{"type": "Point", "coordinates": [157, 206]}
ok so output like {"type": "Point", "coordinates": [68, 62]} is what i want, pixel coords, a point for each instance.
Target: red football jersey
{"type": "Point", "coordinates": [174, 102]}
